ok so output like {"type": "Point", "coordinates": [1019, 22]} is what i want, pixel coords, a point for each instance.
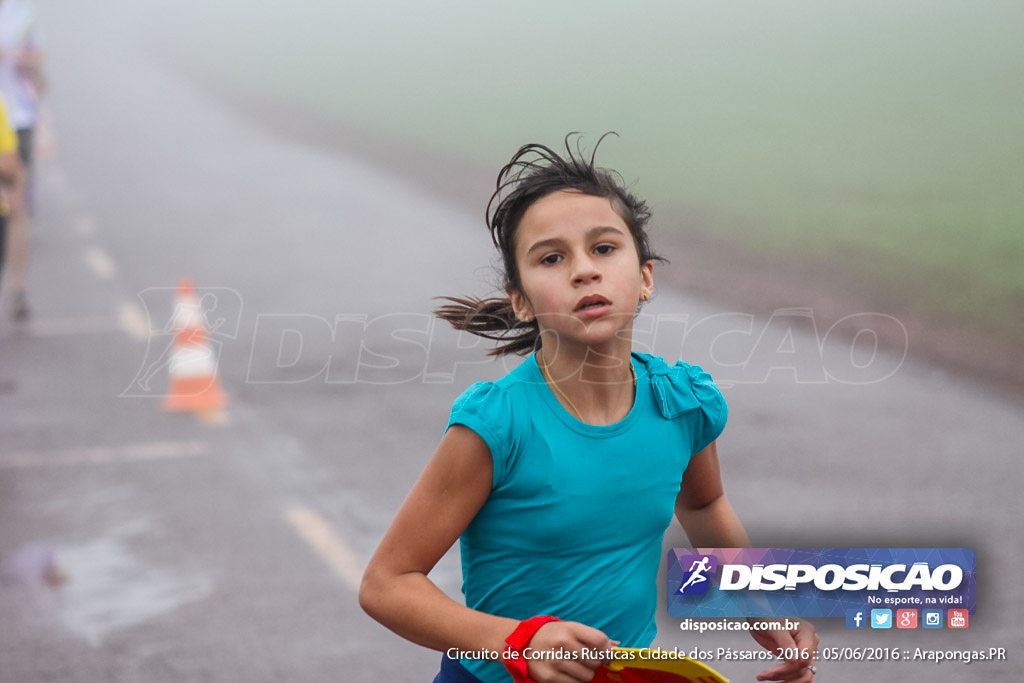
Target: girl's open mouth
{"type": "Point", "coordinates": [593, 305]}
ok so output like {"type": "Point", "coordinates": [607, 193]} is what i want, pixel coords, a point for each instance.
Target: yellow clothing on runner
{"type": "Point", "coordinates": [8, 138]}
{"type": "Point", "coordinates": [8, 145]}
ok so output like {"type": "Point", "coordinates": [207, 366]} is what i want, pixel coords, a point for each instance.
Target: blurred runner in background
{"type": "Point", "coordinates": [21, 84]}
{"type": "Point", "coordinates": [11, 181]}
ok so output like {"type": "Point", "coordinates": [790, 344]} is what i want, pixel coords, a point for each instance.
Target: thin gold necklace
{"type": "Point", "coordinates": [547, 378]}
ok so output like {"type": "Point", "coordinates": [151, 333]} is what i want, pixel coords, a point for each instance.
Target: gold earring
{"type": "Point", "coordinates": [645, 296]}
{"type": "Point", "coordinates": [526, 318]}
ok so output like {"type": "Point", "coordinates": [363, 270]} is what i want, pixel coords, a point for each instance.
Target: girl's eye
{"type": "Point", "coordinates": [604, 249]}
{"type": "Point", "coordinates": [551, 259]}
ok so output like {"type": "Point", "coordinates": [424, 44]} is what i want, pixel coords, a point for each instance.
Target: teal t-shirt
{"type": "Point", "coordinates": [576, 514]}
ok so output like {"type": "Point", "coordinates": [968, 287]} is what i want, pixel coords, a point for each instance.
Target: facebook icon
{"type": "Point", "coordinates": [856, 618]}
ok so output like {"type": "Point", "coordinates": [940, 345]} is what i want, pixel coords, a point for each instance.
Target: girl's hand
{"type": "Point", "coordinates": [799, 648]}
{"type": "Point", "coordinates": [572, 651]}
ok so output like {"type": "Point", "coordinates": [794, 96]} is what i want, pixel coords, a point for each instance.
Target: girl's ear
{"type": "Point", "coordinates": [520, 304]}
{"type": "Point", "coordinates": [647, 280]}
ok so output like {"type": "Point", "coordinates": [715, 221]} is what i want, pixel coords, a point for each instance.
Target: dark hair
{"type": "Point", "coordinates": [534, 172]}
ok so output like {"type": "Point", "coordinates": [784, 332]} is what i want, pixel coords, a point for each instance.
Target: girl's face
{"type": "Point", "coordinates": [580, 274]}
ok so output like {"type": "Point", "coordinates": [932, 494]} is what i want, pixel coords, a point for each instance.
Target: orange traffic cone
{"type": "Point", "coordinates": [193, 367]}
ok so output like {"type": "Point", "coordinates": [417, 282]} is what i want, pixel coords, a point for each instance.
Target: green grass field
{"type": "Point", "coordinates": [887, 138]}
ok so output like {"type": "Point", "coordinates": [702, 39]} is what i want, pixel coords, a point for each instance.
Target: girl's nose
{"type": "Point", "coordinates": [585, 271]}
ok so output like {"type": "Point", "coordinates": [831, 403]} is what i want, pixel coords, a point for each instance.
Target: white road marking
{"type": "Point", "coordinates": [100, 263]}
{"type": "Point", "coordinates": [139, 452]}
{"type": "Point", "coordinates": [331, 548]}
{"type": "Point", "coordinates": [133, 321]}
{"type": "Point", "coordinates": [130, 319]}
{"type": "Point", "coordinates": [61, 327]}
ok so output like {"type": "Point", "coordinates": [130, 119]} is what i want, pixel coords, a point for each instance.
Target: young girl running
{"type": "Point", "coordinates": [560, 479]}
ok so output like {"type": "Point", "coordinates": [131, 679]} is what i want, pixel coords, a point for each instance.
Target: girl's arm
{"type": "Point", "coordinates": [396, 591]}
{"type": "Point", "coordinates": [702, 508]}
{"type": "Point", "coordinates": [29, 63]}
{"type": "Point", "coordinates": [710, 522]}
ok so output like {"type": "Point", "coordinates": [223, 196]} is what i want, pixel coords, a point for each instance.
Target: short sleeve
{"type": "Point", "coordinates": [714, 409]}
{"type": "Point", "coordinates": [686, 392]}
{"type": "Point", "coordinates": [483, 407]}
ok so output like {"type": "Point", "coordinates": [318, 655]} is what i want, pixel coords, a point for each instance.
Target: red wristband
{"type": "Point", "coordinates": [513, 658]}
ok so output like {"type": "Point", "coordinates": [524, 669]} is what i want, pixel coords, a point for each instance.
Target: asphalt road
{"type": "Point", "coordinates": [228, 547]}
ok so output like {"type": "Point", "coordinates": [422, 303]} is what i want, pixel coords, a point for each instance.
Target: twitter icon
{"type": "Point", "coordinates": [881, 618]}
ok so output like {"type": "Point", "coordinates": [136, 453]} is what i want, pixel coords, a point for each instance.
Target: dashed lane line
{"type": "Point", "coordinates": [331, 548]}
{"type": "Point", "coordinates": [130, 319]}
{"type": "Point", "coordinates": [138, 452]}
{"type": "Point", "coordinates": [63, 327]}
{"type": "Point", "coordinates": [133, 321]}
{"type": "Point", "coordinates": [100, 263]}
